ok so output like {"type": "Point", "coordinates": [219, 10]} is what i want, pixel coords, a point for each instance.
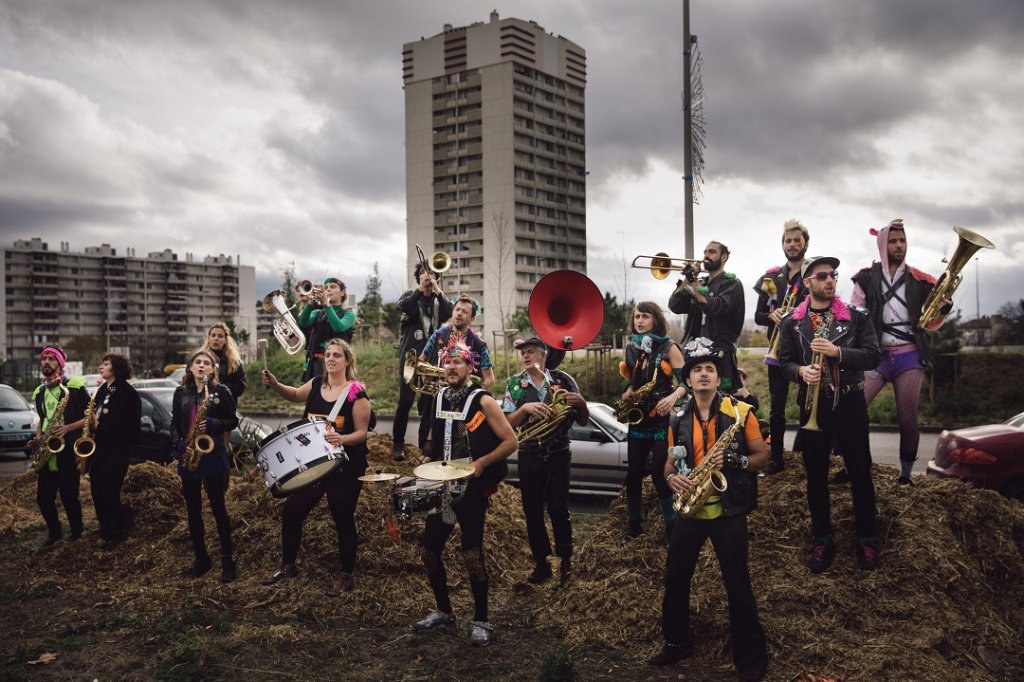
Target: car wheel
{"type": "Point", "coordinates": [1014, 490]}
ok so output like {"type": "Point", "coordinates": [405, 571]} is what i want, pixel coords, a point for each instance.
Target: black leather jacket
{"type": "Point", "coordinates": [220, 415]}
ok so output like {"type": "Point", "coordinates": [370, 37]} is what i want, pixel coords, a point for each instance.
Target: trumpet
{"type": "Point", "coordinates": [814, 390]}
{"type": "Point", "coordinates": [661, 264]}
{"type": "Point", "coordinates": [286, 329]}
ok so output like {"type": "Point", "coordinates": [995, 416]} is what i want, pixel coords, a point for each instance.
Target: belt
{"type": "Point", "coordinates": [848, 388]}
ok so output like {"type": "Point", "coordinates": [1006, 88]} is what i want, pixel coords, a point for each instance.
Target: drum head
{"type": "Point", "coordinates": [281, 432]}
{"type": "Point", "coordinates": [300, 479]}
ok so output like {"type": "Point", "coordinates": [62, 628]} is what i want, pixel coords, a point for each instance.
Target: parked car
{"type": "Point", "coordinates": [92, 382]}
{"type": "Point", "coordinates": [599, 460]}
{"type": "Point", "coordinates": [990, 456]}
{"type": "Point", "coordinates": [177, 375]}
{"type": "Point", "coordinates": [156, 426]}
{"type": "Point", "coordinates": [155, 383]}
{"type": "Point", "coordinates": [18, 421]}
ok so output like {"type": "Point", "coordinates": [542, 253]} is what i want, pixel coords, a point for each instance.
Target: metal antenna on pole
{"type": "Point", "coordinates": [693, 126]}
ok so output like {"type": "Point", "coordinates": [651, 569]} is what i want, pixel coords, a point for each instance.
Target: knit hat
{"type": "Point", "coordinates": [57, 352]}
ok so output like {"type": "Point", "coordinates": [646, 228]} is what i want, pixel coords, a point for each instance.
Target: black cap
{"type": "Point", "coordinates": [532, 341]}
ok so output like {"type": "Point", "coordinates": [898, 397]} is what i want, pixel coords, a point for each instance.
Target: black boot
{"type": "Point", "coordinates": [200, 566]}
{"type": "Point", "coordinates": [228, 571]}
{"type": "Point", "coordinates": [541, 572]}
{"type": "Point", "coordinates": [565, 570]}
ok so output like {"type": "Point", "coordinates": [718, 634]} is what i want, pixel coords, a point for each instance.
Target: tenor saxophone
{"type": "Point", "coordinates": [50, 443]}
{"type": "Point", "coordinates": [706, 477]}
{"type": "Point", "coordinates": [198, 444]}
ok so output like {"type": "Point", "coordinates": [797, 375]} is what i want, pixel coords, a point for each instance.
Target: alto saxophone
{"type": "Point", "coordinates": [706, 477]}
{"type": "Point", "coordinates": [85, 446]}
{"type": "Point", "coordinates": [50, 443]}
{"type": "Point", "coordinates": [198, 444]}
{"type": "Point", "coordinates": [814, 390]}
{"type": "Point", "coordinates": [627, 410]}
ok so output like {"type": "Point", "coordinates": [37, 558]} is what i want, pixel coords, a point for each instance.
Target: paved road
{"type": "Point", "coordinates": [884, 445]}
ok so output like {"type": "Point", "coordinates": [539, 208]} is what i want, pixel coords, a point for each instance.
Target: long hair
{"type": "Point", "coordinates": [350, 360]}
{"type": "Point", "coordinates": [231, 354]}
{"type": "Point", "coordinates": [120, 365]}
{"type": "Point", "coordinates": [653, 309]}
{"type": "Point", "coordinates": [189, 381]}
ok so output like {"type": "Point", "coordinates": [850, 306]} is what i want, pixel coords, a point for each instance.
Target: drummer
{"type": "Point", "coordinates": [342, 486]}
{"type": "Point", "coordinates": [467, 422]}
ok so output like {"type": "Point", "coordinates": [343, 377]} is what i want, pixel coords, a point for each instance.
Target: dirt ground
{"type": "Point", "coordinates": [946, 604]}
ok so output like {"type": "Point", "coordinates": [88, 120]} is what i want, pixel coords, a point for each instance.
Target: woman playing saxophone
{"type": "Point", "coordinates": [703, 430]}
{"type": "Point", "coordinates": [196, 417]}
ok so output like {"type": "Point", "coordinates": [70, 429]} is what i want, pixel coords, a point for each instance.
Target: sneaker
{"type": "Point", "coordinates": [480, 633]}
{"type": "Point", "coordinates": [286, 571]}
{"type": "Point", "coordinates": [822, 554]}
{"type": "Point", "coordinates": [671, 653]}
{"type": "Point", "coordinates": [841, 476]}
{"type": "Point", "coordinates": [344, 583]}
{"type": "Point", "coordinates": [904, 480]}
{"type": "Point", "coordinates": [398, 453]}
{"type": "Point", "coordinates": [436, 619]}
{"type": "Point", "coordinates": [867, 555]}
{"type": "Point", "coordinates": [541, 572]}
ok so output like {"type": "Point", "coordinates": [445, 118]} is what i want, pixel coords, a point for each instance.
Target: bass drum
{"type": "Point", "coordinates": [297, 456]}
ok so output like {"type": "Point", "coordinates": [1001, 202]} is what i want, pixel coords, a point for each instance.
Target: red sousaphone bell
{"type": "Point", "coordinates": [566, 310]}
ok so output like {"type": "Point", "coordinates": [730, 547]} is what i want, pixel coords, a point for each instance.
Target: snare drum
{"type": "Point", "coordinates": [419, 497]}
{"type": "Point", "coordinates": [297, 456]}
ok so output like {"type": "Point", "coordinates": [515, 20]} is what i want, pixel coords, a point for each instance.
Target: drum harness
{"type": "Point", "coordinates": [449, 416]}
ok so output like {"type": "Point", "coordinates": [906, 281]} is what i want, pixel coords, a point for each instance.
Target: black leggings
{"type": "Point", "coordinates": [342, 496]}
{"type": "Point", "coordinates": [471, 513]}
{"type": "Point", "coordinates": [637, 451]}
{"type": "Point", "coordinates": [216, 486]}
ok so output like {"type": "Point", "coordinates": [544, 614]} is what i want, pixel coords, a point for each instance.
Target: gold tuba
{"type": "Point", "coordinates": [706, 477]}
{"type": "Point", "coordinates": [539, 428]}
{"type": "Point", "coordinates": [286, 329]}
{"type": "Point", "coordinates": [949, 280]}
{"type": "Point", "coordinates": [198, 443]}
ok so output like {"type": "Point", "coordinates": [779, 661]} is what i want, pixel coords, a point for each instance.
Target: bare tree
{"type": "Point", "coordinates": [499, 274]}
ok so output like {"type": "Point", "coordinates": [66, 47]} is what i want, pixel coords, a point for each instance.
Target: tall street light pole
{"type": "Point", "coordinates": [687, 133]}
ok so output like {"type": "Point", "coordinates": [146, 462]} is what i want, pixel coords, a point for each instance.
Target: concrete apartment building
{"type": "Point", "coordinates": [495, 158]}
{"type": "Point", "coordinates": [145, 307]}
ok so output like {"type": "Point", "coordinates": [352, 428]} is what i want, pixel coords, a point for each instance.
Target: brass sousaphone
{"type": "Point", "coordinates": [949, 280]}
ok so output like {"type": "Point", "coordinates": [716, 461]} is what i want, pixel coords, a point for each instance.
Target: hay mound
{"type": "Point", "coordinates": [949, 582]}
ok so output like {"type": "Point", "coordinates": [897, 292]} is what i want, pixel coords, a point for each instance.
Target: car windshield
{"type": "Point", "coordinates": [1017, 421]}
{"type": "Point", "coordinates": [605, 416]}
{"type": "Point", "coordinates": [11, 401]}
{"type": "Point", "coordinates": [164, 396]}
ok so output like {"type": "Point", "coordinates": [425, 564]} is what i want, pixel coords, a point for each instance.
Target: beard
{"type": "Point", "coordinates": [48, 371]}
{"type": "Point", "coordinates": [712, 265]}
{"type": "Point", "coordinates": [798, 257]}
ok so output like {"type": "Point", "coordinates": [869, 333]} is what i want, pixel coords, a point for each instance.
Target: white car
{"type": "Point", "coordinates": [599, 461]}
{"type": "Point", "coordinates": [18, 421]}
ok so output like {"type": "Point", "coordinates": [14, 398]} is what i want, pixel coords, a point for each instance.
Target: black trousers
{"type": "Point", "coordinates": [728, 535]}
{"type": "Point", "coordinates": [406, 397]}
{"type": "Point", "coordinates": [470, 513]}
{"type": "Point", "coordinates": [106, 476]}
{"type": "Point", "coordinates": [848, 423]}
{"type": "Point", "coordinates": [216, 486]}
{"type": "Point", "coordinates": [544, 479]}
{"type": "Point", "coordinates": [778, 389]}
{"type": "Point", "coordinates": [342, 491]}
{"type": "Point", "coordinates": [65, 482]}
{"type": "Point", "coordinates": [637, 450]}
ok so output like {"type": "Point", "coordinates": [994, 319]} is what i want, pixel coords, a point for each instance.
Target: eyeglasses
{"type": "Point", "coordinates": [823, 276]}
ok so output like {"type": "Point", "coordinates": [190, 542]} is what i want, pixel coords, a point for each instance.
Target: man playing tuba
{"type": "Point", "coordinates": [722, 518]}
{"type": "Point", "coordinates": [544, 402]}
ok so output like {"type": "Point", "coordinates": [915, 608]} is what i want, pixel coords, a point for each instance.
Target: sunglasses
{"type": "Point", "coordinates": [823, 276]}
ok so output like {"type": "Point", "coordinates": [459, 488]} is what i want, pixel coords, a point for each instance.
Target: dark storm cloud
{"type": "Point", "coordinates": [33, 217]}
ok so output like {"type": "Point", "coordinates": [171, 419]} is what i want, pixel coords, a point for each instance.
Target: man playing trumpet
{"type": "Point", "coordinates": [843, 337]}
{"type": "Point", "coordinates": [780, 290]}
{"type": "Point", "coordinates": [531, 397]}
{"type": "Point", "coordinates": [722, 517]}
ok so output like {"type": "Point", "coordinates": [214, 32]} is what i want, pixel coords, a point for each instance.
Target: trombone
{"type": "Point", "coordinates": [661, 264]}
{"type": "Point", "coordinates": [438, 264]}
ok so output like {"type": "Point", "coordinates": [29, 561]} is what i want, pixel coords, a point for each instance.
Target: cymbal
{"type": "Point", "coordinates": [379, 476]}
{"type": "Point", "coordinates": [443, 471]}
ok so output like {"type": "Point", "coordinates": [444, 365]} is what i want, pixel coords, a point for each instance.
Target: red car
{"type": "Point", "coordinates": [990, 456]}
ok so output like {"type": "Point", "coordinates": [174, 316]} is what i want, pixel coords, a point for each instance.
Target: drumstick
{"type": "Point", "coordinates": [261, 349]}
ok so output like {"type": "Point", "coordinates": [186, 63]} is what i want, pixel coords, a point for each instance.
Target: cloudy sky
{"type": "Point", "coordinates": [275, 130]}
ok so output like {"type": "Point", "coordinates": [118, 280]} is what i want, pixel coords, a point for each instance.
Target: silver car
{"type": "Point", "coordinates": [598, 455]}
{"type": "Point", "coordinates": [18, 421]}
